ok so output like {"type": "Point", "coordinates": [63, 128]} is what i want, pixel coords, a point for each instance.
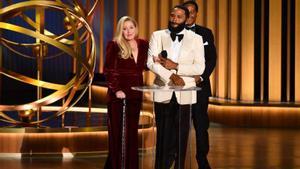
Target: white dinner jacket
{"type": "Point", "coordinates": [191, 61]}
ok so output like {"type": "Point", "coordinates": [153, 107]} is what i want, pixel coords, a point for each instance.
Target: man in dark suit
{"type": "Point", "coordinates": [199, 112]}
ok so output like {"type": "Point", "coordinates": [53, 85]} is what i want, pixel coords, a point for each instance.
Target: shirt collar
{"type": "Point", "coordinates": [192, 25]}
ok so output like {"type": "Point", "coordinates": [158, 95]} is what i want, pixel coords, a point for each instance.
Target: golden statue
{"type": "Point", "coordinates": [77, 34]}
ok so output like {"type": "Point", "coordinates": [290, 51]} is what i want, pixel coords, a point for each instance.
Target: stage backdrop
{"type": "Point", "coordinates": [257, 44]}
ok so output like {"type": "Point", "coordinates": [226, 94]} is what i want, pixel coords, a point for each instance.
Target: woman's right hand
{"type": "Point", "coordinates": [120, 94]}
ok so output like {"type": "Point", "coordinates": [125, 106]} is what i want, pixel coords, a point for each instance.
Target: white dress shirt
{"type": "Point", "coordinates": [175, 48]}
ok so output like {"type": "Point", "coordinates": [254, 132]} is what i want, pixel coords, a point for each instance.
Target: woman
{"type": "Point", "coordinates": [126, 58]}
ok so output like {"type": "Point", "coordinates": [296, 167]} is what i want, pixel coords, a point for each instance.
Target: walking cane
{"type": "Point", "coordinates": [123, 153]}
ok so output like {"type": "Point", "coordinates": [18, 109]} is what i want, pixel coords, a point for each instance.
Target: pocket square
{"type": "Point", "coordinates": [206, 43]}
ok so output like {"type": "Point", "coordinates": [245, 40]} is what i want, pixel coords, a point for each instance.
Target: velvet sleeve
{"type": "Point", "coordinates": [145, 46]}
{"type": "Point", "coordinates": [110, 67]}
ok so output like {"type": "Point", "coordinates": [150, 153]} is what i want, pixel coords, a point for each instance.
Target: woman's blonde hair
{"type": "Point", "coordinates": [125, 49]}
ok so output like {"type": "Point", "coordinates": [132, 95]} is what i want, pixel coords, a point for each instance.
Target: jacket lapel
{"type": "Point", "coordinates": [166, 42]}
{"type": "Point", "coordinates": [186, 43]}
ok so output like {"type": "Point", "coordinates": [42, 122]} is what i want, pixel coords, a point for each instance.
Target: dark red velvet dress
{"type": "Point", "coordinates": [122, 74]}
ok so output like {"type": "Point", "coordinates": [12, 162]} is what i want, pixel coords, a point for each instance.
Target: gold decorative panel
{"type": "Point", "coordinates": [275, 50]}
{"type": "Point", "coordinates": [297, 52]}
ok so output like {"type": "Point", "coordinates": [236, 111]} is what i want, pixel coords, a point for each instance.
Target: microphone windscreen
{"type": "Point", "coordinates": [164, 54]}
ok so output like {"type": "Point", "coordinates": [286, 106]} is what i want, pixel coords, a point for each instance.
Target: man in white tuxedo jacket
{"type": "Point", "coordinates": [185, 59]}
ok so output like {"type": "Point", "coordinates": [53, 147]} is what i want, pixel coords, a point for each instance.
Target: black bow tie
{"type": "Point", "coordinates": [193, 28]}
{"type": "Point", "coordinates": [173, 36]}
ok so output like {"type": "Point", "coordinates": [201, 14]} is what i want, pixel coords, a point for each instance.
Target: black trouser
{"type": "Point", "coordinates": [201, 124]}
{"type": "Point", "coordinates": [173, 124]}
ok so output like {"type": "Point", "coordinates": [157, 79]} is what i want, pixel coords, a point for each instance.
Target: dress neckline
{"type": "Point", "coordinates": [138, 51]}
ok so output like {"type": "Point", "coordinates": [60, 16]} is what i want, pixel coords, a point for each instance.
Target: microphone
{"type": "Point", "coordinates": [164, 54]}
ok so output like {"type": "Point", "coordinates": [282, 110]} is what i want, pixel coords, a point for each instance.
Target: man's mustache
{"type": "Point", "coordinates": [174, 23]}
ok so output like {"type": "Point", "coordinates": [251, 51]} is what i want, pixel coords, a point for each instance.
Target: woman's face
{"type": "Point", "coordinates": [129, 30]}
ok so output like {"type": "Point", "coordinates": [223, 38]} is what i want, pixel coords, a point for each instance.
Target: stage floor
{"type": "Point", "coordinates": [231, 148]}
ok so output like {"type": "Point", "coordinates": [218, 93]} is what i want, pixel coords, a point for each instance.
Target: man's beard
{"type": "Point", "coordinates": [177, 29]}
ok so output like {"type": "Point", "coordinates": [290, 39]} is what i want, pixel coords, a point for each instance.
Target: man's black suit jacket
{"type": "Point", "coordinates": [210, 58]}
